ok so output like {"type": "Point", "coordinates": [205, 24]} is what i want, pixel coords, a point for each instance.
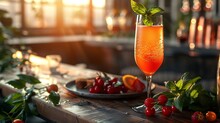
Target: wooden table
{"type": "Point", "coordinates": [74, 109]}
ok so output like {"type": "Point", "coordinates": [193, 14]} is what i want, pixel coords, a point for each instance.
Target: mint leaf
{"type": "Point", "coordinates": [195, 91]}
{"type": "Point", "coordinates": [54, 98]}
{"type": "Point", "coordinates": [16, 107]}
{"type": "Point", "coordinates": [147, 20]}
{"type": "Point", "coordinates": [19, 84]}
{"type": "Point", "coordinates": [155, 10]}
{"type": "Point", "coordinates": [179, 101]}
{"type": "Point", "coordinates": [179, 84]}
{"type": "Point", "coordinates": [190, 83]}
{"type": "Point", "coordinates": [29, 79]}
{"type": "Point", "coordinates": [138, 8]}
{"type": "Point", "coordinates": [186, 77]}
{"type": "Point", "coordinates": [171, 86]}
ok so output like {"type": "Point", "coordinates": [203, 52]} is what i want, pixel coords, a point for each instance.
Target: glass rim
{"type": "Point", "coordinates": [157, 20]}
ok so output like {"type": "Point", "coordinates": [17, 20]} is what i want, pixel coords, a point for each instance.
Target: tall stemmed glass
{"type": "Point", "coordinates": [148, 49]}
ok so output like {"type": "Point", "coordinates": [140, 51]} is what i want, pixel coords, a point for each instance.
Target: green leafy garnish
{"type": "Point", "coordinates": [187, 94]}
{"type": "Point", "coordinates": [19, 105]}
{"type": "Point", "coordinates": [147, 13]}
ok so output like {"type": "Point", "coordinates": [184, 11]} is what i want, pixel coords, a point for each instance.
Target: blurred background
{"type": "Point", "coordinates": [100, 34]}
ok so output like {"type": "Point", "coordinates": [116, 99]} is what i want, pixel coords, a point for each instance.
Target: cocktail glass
{"type": "Point", "coordinates": [148, 49]}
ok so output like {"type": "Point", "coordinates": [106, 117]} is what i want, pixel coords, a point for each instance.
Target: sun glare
{"type": "Point", "coordinates": [76, 2]}
{"type": "Point", "coordinates": [98, 3]}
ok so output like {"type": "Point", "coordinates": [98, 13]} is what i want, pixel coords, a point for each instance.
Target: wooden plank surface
{"type": "Point", "coordinates": [85, 110]}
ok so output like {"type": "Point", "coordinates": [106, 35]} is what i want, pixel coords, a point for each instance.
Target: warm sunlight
{"type": "Point", "coordinates": [76, 2]}
{"type": "Point", "coordinates": [98, 3]}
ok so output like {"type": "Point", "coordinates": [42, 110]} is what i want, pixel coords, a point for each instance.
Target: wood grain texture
{"type": "Point", "coordinates": [74, 109]}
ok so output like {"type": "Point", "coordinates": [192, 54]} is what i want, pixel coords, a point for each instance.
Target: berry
{"type": "Point", "coordinates": [162, 99]}
{"type": "Point", "coordinates": [111, 90]}
{"type": "Point", "coordinates": [114, 80]}
{"type": "Point", "coordinates": [149, 111]}
{"type": "Point", "coordinates": [97, 89]}
{"type": "Point", "coordinates": [210, 116]}
{"type": "Point", "coordinates": [166, 111]}
{"type": "Point", "coordinates": [174, 109]}
{"type": "Point", "coordinates": [92, 90]}
{"type": "Point", "coordinates": [18, 121]}
{"type": "Point", "coordinates": [197, 117]}
{"type": "Point", "coordinates": [149, 102]}
{"type": "Point", "coordinates": [52, 87]}
{"type": "Point", "coordinates": [99, 83]}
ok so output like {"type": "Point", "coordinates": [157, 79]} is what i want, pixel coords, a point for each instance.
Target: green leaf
{"type": "Point", "coordinates": [179, 84]}
{"type": "Point", "coordinates": [19, 84]}
{"type": "Point", "coordinates": [11, 98]}
{"type": "Point", "coordinates": [138, 8]}
{"type": "Point", "coordinates": [29, 79]}
{"type": "Point", "coordinates": [16, 107]}
{"type": "Point", "coordinates": [190, 83]}
{"type": "Point", "coordinates": [186, 77]}
{"type": "Point", "coordinates": [205, 99]}
{"type": "Point", "coordinates": [171, 86]}
{"type": "Point", "coordinates": [155, 10]}
{"type": "Point", "coordinates": [195, 91]}
{"type": "Point", "coordinates": [54, 98]}
{"type": "Point", "coordinates": [179, 101]}
{"type": "Point", "coordinates": [147, 20]}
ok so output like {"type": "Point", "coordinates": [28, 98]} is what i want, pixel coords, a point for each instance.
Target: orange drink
{"type": "Point", "coordinates": [149, 48]}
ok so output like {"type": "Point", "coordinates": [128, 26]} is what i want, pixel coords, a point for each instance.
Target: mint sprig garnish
{"type": "Point", "coordinates": [147, 13]}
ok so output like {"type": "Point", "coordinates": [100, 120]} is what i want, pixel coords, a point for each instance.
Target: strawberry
{"type": "Point", "coordinates": [197, 117]}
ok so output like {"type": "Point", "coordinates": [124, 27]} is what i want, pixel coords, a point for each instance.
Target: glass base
{"type": "Point", "coordinates": [139, 109]}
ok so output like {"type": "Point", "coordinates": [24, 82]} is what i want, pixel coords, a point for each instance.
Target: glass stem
{"type": "Point", "coordinates": [149, 81]}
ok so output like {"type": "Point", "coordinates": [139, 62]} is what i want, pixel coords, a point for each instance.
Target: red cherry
{"type": "Point", "coordinates": [162, 99]}
{"type": "Point", "coordinates": [149, 102]}
{"type": "Point", "coordinates": [92, 90]}
{"type": "Point", "coordinates": [100, 83]}
{"type": "Point", "coordinates": [111, 90]}
{"type": "Point", "coordinates": [174, 109]}
{"type": "Point", "coordinates": [18, 121]}
{"type": "Point", "coordinates": [52, 87]}
{"type": "Point", "coordinates": [114, 80]}
{"type": "Point", "coordinates": [166, 111]}
{"type": "Point", "coordinates": [97, 89]}
{"type": "Point", "coordinates": [149, 112]}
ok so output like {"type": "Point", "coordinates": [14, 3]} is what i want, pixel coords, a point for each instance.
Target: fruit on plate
{"type": "Point", "coordinates": [133, 83]}
{"type": "Point", "coordinates": [107, 85]}
{"type": "Point", "coordinates": [82, 83]}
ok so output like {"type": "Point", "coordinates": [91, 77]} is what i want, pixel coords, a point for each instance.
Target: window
{"type": "Point", "coordinates": [56, 17]}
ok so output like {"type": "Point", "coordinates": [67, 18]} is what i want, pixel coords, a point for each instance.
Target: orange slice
{"type": "Point", "coordinates": [128, 81]}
